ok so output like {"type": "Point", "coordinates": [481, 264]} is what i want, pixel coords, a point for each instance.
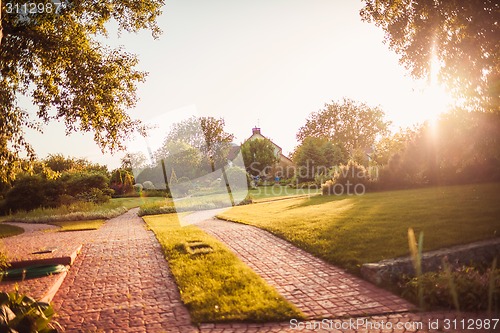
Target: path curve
{"type": "Point", "coordinates": [317, 288]}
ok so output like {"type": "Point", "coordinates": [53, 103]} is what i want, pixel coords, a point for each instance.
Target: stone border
{"type": "Point", "coordinates": [389, 271]}
{"type": "Point", "coordinates": [63, 260]}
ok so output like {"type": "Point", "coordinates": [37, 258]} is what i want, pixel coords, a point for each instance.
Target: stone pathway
{"type": "Point", "coordinates": [121, 282]}
{"type": "Point", "coordinates": [317, 288]}
{"type": "Point", "coordinates": [39, 237]}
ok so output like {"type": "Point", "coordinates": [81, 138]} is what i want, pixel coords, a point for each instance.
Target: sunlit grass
{"type": "Point", "coordinates": [265, 193]}
{"type": "Point", "coordinates": [216, 286]}
{"type": "Point", "coordinates": [352, 230]}
{"type": "Point", "coordinates": [79, 225]}
{"type": "Point", "coordinates": [134, 202]}
{"type": "Point", "coordinates": [189, 204]}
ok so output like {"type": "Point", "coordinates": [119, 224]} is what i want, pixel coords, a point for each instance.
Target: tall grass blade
{"type": "Point", "coordinates": [416, 255]}
{"type": "Point", "coordinates": [412, 243]}
{"type": "Point", "coordinates": [451, 284]}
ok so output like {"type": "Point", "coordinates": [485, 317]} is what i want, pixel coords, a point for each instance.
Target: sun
{"type": "Point", "coordinates": [435, 99]}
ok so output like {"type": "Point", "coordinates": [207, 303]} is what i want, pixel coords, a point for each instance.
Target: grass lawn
{"type": "Point", "coordinates": [80, 211]}
{"type": "Point", "coordinates": [79, 225]}
{"type": "Point", "coordinates": [265, 193]}
{"type": "Point", "coordinates": [136, 201]}
{"type": "Point", "coordinates": [215, 286]}
{"type": "Point", "coordinates": [7, 230]}
{"type": "Point", "coordinates": [352, 230]}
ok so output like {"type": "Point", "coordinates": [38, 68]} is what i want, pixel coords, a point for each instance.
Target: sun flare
{"type": "Point", "coordinates": [435, 99]}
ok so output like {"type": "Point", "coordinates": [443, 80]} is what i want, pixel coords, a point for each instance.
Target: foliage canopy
{"type": "Point", "coordinates": [206, 134]}
{"type": "Point", "coordinates": [461, 37]}
{"type": "Point", "coordinates": [55, 60]}
{"type": "Point", "coordinates": [350, 124]}
{"type": "Point", "coordinates": [258, 155]}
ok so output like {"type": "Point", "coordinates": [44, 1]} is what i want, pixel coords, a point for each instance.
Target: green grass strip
{"type": "Point", "coordinates": [79, 225]}
{"type": "Point", "coordinates": [7, 230]}
{"type": "Point", "coordinates": [352, 230]}
{"type": "Point", "coordinates": [214, 284]}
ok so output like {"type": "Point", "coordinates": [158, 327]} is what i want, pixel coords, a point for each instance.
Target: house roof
{"type": "Point", "coordinates": [256, 130]}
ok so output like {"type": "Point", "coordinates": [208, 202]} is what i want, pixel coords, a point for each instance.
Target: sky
{"type": "Point", "coordinates": [266, 63]}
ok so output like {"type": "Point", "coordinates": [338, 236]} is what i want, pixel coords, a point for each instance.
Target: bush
{"type": "Point", "coordinates": [138, 188]}
{"type": "Point", "coordinates": [183, 186]}
{"type": "Point", "coordinates": [4, 260]}
{"type": "Point", "coordinates": [95, 195]}
{"type": "Point", "coordinates": [20, 313]}
{"type": "Point", "coordinates": [321, 179]}
{"type": "Point", "coordinates": [122, 181]}
{"type": "Point", "coordinates": [352, 178]}
{"type": "Point", "coordinates": [81, 182]}
{"type": "Point", "coordinates": [27, 193]}
{"type": "Point", "coordinates": [238, 178]}
{"type": "Point", "coordinates": [148, 185]}
{"type": "Point", "coordinates": [77, 211]}
{"type": "Point", "coordinates": [31, 192]}
{"type": "Point", "coordinates": [472, 288]}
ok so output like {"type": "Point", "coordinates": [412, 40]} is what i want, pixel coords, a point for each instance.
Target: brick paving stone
{"type": "Point", "coordinates": [324, 290]}
{"type": "Point", "coordinates": [319, 289]}
{"type": "Point", "coordinates": [37, 288]}
{"type": "Point", "coordinates": [121, 282]}
{"type": "Point", "coordinates": [39, 237]}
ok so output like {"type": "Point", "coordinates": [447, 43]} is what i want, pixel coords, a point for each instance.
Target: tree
{"type": "Point", "coordinates": [315, 156]}
{"type": "Point", "coordinates": [461, 147]}
{"type": "Point", "coordinates": [54, 58]}
{"type": "Point", "coordinates": [388, 146]}
{"type": "Point", "coordinates": [59, 163]}
{"type": "Point", "coordinates": [258, 155]}
{"type": "Point", "coordinates": [133, 161]}
{"type": "Point", "coordinates": [181, 157]}
{"type": "Point", "coordinates": [350, 124]}
{"type": "Point", "coordinates": [122, 181]}
{"type": "Point", "coordinates": [206, 134]}
{"type": "Point", "coordinates": [459, 37]}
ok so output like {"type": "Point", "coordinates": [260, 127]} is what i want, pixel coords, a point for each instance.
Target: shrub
{"type": "Point", "coordinates": [95, 195]}
{"type": "Point", "coordinates": [77, 183]}
{"type": "Point", "coordinates": [238, 178]}
{"type": "Point", "coordinates": [183, 186]}
{"type": "Point", "coordinates": [79, 210]}
{"type": "Point", "coordinates": [322, 178]}
{"type": "Point", "coordinates": [138, 188]}
{"type": "Point", "coordinates": [148, 185]}
{"type": "Point", "coordinates": [4, 260]}
{"type": "Point", "coordinates": [27, 193]}
{"type": "Point", "coordinates": [122, 181]}
{"type": "Point", "coordinates": [31, 192]}
{"type": "Point", "coordinates": [471, 287]}
{"type": "Point", "coordinates": [347, 179]}
{"type": "Point", "coordinates": [66, 199]}
{"type": "Point", "coordinates": [21, 313]}
{"type": "Point", "coordinates": [285, 181]}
